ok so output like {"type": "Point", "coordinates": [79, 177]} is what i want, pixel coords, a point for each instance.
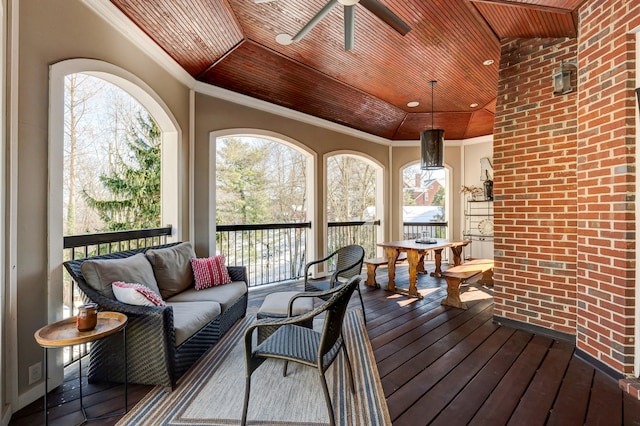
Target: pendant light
{"type": "Point", "coordinates": [432, 143]}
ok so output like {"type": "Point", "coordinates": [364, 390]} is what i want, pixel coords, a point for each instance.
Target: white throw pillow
{"type": "Point", "coordinates": [136, 294]}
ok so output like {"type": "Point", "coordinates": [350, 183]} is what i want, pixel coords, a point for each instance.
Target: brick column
{"type": "Point", "coordinates": [535, 187]}
{"type": "Point", "coordinates": [606, 182]}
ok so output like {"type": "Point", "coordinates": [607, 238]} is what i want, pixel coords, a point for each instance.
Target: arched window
{"type": "Point", "coordinates": [424, 202]}
{"type": "Point", "coordinates": [261, 198]}
{"type": "Point", "coordinates": [353, 191]}
{"type": "Point", "coordinates": [112, 167]}
{"type": "Point", "coordinates": [105, 123]}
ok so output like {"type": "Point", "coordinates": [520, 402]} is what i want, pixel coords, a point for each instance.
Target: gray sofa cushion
{"type": "Point", "coordinates": [172, 268]}
{"type": "Point", "coordinates": [101, 273]}
{"type": "Point", "coordinates": [225, 294]}
{"type": "Point", "coordinates": [190, 317]}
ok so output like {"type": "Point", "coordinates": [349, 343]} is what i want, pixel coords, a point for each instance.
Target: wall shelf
{"type": "Point", "coordinates": [478, 227]}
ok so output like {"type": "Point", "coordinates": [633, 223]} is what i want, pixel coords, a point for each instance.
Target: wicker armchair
{"type": "Point", "coordinates": [152, 356]}
{"type": "Point", "coordinates": [296, 343]}
{"type": "Point", "coordinates": [349, 261]}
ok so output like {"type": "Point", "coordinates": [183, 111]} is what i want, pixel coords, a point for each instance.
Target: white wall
{"type": "Point", "coordinates": [472, 151]}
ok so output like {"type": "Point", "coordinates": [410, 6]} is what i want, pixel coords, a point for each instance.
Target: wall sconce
{"type": "Point", "coordinates": [562, 79]}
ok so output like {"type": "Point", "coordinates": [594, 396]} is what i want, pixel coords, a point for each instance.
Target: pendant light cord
{"type": "Point", "coordinates": [432, 83]}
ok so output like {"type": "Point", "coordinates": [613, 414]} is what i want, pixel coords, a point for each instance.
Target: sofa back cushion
{"type": "Point", "coordinates": [101, 273]}
{"type": "Point", "coordinates": [172, 268]}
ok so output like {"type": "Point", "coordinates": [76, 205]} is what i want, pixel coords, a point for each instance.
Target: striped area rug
{"type": "Point", "coordinates": [212, 392]}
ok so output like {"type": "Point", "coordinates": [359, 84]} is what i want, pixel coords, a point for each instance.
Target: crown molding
{"type": "Point", "coordinates": [238, 98]}
{"type": "Point", "coordinates": [414, 143]}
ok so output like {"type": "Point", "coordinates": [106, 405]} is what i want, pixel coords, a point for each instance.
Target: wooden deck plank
{"type": "Point", "coordinates": [390, 305]}
{"type": "Point", "coordinates": [570, 407]}
{"type": "Point", "coordinates": [409, 320]}
{"type": "Point", "coordinates": [630, 410]}
{"type": "Point", "coordinates": [434, 401]}
{"type": "Point", "coordinates": [413, 351]}
{"type": "Point", "coordinates": [415, 380]}
{"type": "Point", "coordinates": [464, 406]}
{"type": "Point", "coordinates": [537, 401]}
{"type": "Point", "coordinates": [605, 404]}
{"type": "Point", "coordinates": [499, 406]}
{"type": "Point", "coordinates": [411, 329]}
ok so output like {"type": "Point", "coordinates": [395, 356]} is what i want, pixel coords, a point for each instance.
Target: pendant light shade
{"type": "Point", "coordinates": [432, 147]}
{"type": "Point", "coordinates": [432, 144]}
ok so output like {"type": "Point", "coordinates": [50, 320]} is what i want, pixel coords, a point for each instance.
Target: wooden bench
{"type": "Point", "coordinates": [458, 275]}
{"type": "Point", "coordinates": [372, 266]}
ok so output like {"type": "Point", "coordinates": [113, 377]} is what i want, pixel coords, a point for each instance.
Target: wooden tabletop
{"type": "Point", "coordinates": [440, 243]}
{"type": "Point", "coordinates": [65, 333]}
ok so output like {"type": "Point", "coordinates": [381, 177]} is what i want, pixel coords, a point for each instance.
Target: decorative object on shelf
{"type": "Point", "coordinates": [486, 169]}
{"type": "Point", "coordinates": [432, 143]}
{"type": "Point", "coordinates": [87, 317]}
{"type": "Point", "coordinates": [475, 193]}
{"type": "Point", "coordinates": [485, 227]}
{"type": "Point", "coordinates": [488, 189]}
{"type": "Point", "coordinates": [486, 176]}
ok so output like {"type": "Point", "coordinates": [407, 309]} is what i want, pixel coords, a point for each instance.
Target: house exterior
{"type": "Point", "coordinates": [424, 192]}
{"type": "Point", "coordinates": [564, 173]}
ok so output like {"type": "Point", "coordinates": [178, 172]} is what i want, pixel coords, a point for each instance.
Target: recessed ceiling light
{"type": "Point", "coordinates": [413, 104]}
{"type": "Point", "coordinates": [473, 105]}
{"type": "Point", "coordinates": [284, 39]}
{"type": "Point", "coordinates": [488, 62]}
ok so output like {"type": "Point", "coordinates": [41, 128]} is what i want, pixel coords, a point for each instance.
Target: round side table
{"type": "Point", "coordinates": [64, 333]}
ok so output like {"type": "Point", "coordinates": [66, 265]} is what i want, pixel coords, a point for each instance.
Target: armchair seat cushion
{"type": "Point", "coordinates": [190, 317]}
{"type": "Point", "coordinates": [276, 304]}
{"type": "Point", "coordinates": [226, 295]}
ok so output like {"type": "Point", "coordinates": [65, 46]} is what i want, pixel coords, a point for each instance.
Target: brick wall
{"type": "Point", "coordinates": [606, 182]}
{"type": "Point", "coordinates": [535, 140]}
{"type": "Point", "coordinates": [565, 184]}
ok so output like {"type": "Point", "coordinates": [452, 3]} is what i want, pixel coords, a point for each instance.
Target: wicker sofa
{"type": "Point", "coordinates": [162, 341]}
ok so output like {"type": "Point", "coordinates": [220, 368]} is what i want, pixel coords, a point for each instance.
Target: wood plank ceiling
{"type": "Point", "coordinates": [231, 44]}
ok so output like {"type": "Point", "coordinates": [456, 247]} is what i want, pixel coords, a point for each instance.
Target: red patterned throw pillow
{"type": "Point", "coordinates": [210, 271]}
{"type": "Point", "coordinates": [136, 294]}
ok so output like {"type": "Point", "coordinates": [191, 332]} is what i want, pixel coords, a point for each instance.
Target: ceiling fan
{"type": "Point", "coordinates": [373, 6]}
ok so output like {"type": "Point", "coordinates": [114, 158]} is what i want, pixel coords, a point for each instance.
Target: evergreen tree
{"type": "Point", "coordinates": [242, 184]}
{"type": "Point", "coordinates": [134, 184]}
{"type": "Point", "coordinates": [438, 198]}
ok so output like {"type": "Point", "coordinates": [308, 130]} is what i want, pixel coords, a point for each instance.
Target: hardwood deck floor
{"type": "Point", "coordinates": [438, 365]}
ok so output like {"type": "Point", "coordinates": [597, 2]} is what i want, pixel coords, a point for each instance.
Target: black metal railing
{"type": "Point", "coordinates": [424, 230]}
{"type": "Point", "coordinates": [364, 233]}
{"type": "Point", "coordinates": [271, 252]}
{"type": "Point", "coordinates": [427, 230]}
{"type": "Point", "coordinates": [87, 245]}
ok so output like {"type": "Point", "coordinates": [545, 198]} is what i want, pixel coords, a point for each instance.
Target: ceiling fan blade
{"type": "Point", "coordinates": [349, 27]}
{"type": "Point", "coordinates": [386, 15]}
{"type": "Point", "coordinates": [314, 21]}
{"type": "Point", "coordinates": [263, 1]}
